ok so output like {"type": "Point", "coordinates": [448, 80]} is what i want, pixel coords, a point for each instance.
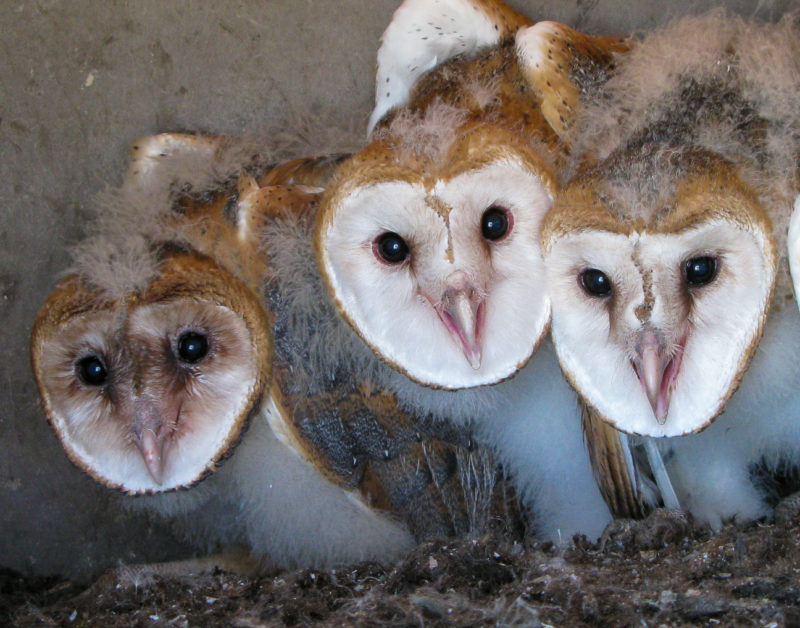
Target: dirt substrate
{"type": "Point", "coordinates": [661, 571]}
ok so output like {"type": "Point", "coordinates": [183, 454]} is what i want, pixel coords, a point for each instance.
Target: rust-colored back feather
{"type": "Point", "coordinates": [610, 469]}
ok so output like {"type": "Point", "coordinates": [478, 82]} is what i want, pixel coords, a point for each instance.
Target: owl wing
{"type": "Point", "coordinates": [354, 434]}
{"type": "Point", "coordinates": [434, 480]}
{"type": "Point", "coordinates": [442, 482]}
{"type": "Point", "coordinates": [203, 166]}
{"type": "Point", "coordinates": [614, 466]}
{"type": "Point", "coordinates": [630, 472]}
{"type": "Point", "coordinates": [149, 155]}
{"type": "Point", "coordinates": [228, 222]}
{"type": "Point", "coordinates": [563, 64]}
{"type": "Point", "coordinates": [229, 227]}
{"type": "Point", "coordinates": [423, 34]}
{"type": "Point", "coordinates": [193, 167]}
{"type": "Point", "coordinates": [313, 172]}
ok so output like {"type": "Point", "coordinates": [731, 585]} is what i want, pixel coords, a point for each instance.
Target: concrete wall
{"type": "Point", "coordinates": [79, 80]}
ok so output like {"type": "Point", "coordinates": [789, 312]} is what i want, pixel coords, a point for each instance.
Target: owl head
{"type": "Point", "coordinates": [660, 251]}
{"type": "Point", "coordinates": [428, 238]}
{"type": "Point", "coordinates": [151, 392]}
{"type": "Point", "coordinates": [151, 356]}
{"type": "Point", "coordinates": [432, 264]}
{"type": "Point", "coordinates": [659, 296]}
{"type": "Point", "coordinates": [422, 35]}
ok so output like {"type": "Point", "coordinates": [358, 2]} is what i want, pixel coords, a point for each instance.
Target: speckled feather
{"type": "Point", "coordinates": [346, 431]}
{"type": "Point", "coordinates": [334, 392]}
{"type": "Point", "coordinates": [724, 84]}
{"type": "Point", "coordinates": [469, 112]}
{"type": "Point", "coordinates": [712, 94]}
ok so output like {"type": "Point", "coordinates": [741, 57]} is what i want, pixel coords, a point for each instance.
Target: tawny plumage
{"type": "Point", "coordinates": [562, 64]}
{"type": "Point", "coordinates": [150, 393]}
{"type": "Point", "coordinates": [423, 34]}
{"type": "Point", "coordinates": [663, 252]}
{"type": "Point", "coordinates": [180, 314]}
{"type": "Point", "coordinates": [429, 243]}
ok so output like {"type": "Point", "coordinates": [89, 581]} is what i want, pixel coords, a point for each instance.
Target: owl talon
{"type": "Point", "coordinates": [788, 509]}
{"type": "Point", "coordinates": [661, 528]}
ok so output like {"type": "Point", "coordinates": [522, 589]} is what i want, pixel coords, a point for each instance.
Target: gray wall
{"type": "Point", "coordinates": [81, 79]}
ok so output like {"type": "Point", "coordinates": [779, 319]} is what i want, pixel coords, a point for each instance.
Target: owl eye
{"type": "Point", "coordinates": [390, 248]}
{"type": "Point", "coordinates": [595, 282]}
{"type": "Point", "coordinates": [192, 346]}
{"type": "Point", "coordinates": [700, 271]}
{"type": "Point", "coordinates": [495, 223]}
{"type": "Point", "coordinates": [91, 371]}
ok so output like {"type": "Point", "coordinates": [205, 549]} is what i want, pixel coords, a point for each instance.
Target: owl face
{"type": "Point", "coordinates": [655, 317]}
{"type": "Point", "coordinates": [436, 264]}
{"type": "Point", "coordinates": [151, 393]}
{"type": "Point", "coordinates": [428, 238]}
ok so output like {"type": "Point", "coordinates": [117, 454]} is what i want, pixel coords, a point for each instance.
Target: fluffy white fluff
{"type": "Point", "coordinates": [713, 472]}
{"type": "Point", "coordinates": [119, 253]}
{"type": "Point", "coordinates": [532, 421]}
{"type": "Point", "coordinates": [730, 86]}
{"type": "Point", "coordinates": [271, 500]}
{"type": "Point", "coordinates": [718, 82]}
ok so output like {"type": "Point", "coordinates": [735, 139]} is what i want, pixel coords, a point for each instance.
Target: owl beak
{"type": "Point", "coordinates": [150, 436]}
{"type": "Point", "coordinates": [152, 448]}
{"type": "Point", "coordinates": [657, 370]}
{"type": "Point", "coordinates": [651, 375]}
{"type": "Point", "coordinates": [461, 311]}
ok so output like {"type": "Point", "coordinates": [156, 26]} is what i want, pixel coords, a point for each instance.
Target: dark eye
{"type": "Point", "coordinates": [192, 346]}
{"type": "Point", "coordinates": [595, 282]}
{"type": "Point", "coordinates": [700, 270]}
{"type": "Point", "coordinates": [494, 223]}
{"type": "Point", "coordinates": [390, 248]}
{"type": "Point", "coordinates": [91, 371]}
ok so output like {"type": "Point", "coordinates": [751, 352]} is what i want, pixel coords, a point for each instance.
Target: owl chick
{"type": "Point", "coordinates": [429, 239]}
{"type": "Point", "coordinates": [177, 369]}
{"type": "Point", "coordinates": [662, 261]}
{"type": "Point", "coordinates": [154, 355]}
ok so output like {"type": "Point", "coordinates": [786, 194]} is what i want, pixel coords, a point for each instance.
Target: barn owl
{"type": "Point", "coordinates": [167, 339]}
{"type": "Point", "coordinates": [165, 364]}
{"type": "Point", "coordinates": [428, 238]}
{"type": "Point", "coordinates": [663, 252]}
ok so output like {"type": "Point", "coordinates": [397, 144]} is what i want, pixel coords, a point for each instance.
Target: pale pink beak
{"type": "Point", "coordinates": [151, 436]}
{"type": "Point", "coordinates": [657, 371]}
{"type": "Point", "coordinates": [461, 311]}
{"type": "Point", "coordinates": [152, 447]}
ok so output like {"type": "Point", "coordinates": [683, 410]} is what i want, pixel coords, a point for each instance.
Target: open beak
{"type": "Point", "coordinates": [657, 370]}
{"type": "Point", "coordinates": [461, 311]}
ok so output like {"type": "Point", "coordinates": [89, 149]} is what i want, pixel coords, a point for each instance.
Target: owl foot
{"type": "Point", "coordinates": [788, 509]}
{"type": "Point", "coordinates": [659, 529]}
{"type": "Point", "coordinates": [143, 576]}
